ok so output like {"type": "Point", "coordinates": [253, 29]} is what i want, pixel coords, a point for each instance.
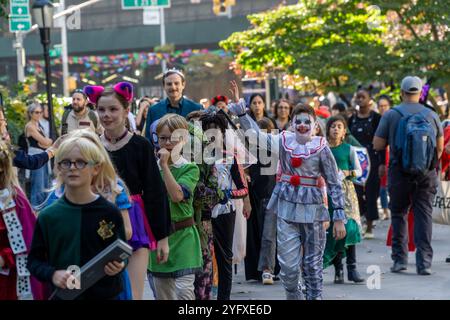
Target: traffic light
{"type": "Point", "coordinates": [221, 7]}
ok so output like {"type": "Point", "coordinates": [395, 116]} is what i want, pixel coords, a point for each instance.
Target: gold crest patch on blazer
{"type": "Point", "coordinates": [105, 230]}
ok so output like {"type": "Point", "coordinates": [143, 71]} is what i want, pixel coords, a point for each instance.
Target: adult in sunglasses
{"type": "Point", "coordinates": [22, 160]}
{"type": "Point", "coordinates": [37, 143]}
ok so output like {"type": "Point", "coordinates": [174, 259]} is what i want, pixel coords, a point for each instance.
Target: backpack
{"type": "Point", "coordinates": [415, 142]}
{"type": "Point", "coordinates": [64, 126]}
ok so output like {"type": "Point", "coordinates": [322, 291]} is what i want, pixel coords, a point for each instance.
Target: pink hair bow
{"type": "Point", "coordinates": [124, 89]}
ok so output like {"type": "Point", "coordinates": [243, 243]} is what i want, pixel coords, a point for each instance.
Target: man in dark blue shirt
{"type": "Point", "coordinates": [174, 83]}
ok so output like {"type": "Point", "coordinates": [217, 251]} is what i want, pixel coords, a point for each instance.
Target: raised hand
{"type": "Point", "coordinates": [234, 90]}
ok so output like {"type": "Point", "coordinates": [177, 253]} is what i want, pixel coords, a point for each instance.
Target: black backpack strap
{"type": "Point", "coordinates": [64, 125]}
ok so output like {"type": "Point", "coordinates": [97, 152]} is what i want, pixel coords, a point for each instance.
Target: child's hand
{"type": "Point", "coordinates": [113, 268]}
{"type": "Point", "coordinates": [164, 156]}
{"type": "Point", "coordinates": [2, 262]}
{"type": "Point", "coordinates": [60, 278]}
{"type": "Point", "coordinates": [326, 225]}
{"type": "Point", "coordinates": [339, 230]}
{"type": "Point", "coordinates": [162, 251]}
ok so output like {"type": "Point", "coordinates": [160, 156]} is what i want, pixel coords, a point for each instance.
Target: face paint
{"type": "Point", "coordinates": [304, 125]}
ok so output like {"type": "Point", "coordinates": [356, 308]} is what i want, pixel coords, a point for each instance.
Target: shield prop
{"type": "Point", "coordinates": [364, 161]}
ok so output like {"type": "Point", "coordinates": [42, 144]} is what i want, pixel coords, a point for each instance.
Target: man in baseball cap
{"type": "Point", "coordinates": [408, 190]}
{"type": "Point", "coordinates": [411, 85]}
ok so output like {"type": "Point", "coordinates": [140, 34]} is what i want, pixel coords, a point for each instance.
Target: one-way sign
{"type": "Point", "coordinates": [19, 23]}
{"type": "Point", "coordinates": [20, 10]}
{"type": "Point", "coordinates": [19, 18]}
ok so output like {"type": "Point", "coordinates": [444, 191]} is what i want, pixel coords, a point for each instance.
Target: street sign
{"type": "Point", "coordinates": [19, 23]}
{"type": "Point", "coordinates": [20, 10]}
{"type": "Point", "coordinates": [141, 4]}
{"type": "Point", "coordinates": [151, 17]}
{"type": "Point", "coordinates": [19, 17]}
{"type": "Point", "coordinates": [56, 51]}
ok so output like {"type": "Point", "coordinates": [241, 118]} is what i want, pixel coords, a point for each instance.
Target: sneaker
{"type": "Point", "coordinates": [447, 259]}
{"type": "Point", "coordinates": [369, 235]}
{"type": "Point", "coordinates": [267, 278]}
{"type": "Point", "coordinates": [424, 271]}
{"type": "Point", "coordinates": [398, 267]}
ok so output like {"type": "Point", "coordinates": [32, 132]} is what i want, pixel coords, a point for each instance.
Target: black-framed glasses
{"type": "Point", "coordinates": [79, 164]}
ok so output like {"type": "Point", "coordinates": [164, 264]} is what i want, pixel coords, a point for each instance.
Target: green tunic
{"type": "Point", "coordinates": [185, 255]}
{"type": "Point", "coordinates": [342, 155]}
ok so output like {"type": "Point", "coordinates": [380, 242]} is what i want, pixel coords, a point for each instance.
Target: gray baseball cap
{"type": "Point", "coordinates": [411, 84]}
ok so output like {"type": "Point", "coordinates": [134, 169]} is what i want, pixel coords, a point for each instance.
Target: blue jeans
{"type": "Point", "coordinates": [384, 197]}
{"type": "Point", "coordinates": [39, 184]}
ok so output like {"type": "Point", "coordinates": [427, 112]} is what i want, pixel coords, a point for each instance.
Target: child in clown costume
{"type": "Point", "coordinates": [298, 199]}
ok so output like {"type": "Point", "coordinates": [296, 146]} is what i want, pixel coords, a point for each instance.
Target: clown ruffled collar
{"type": "Point", "coordinates": [297, 150]}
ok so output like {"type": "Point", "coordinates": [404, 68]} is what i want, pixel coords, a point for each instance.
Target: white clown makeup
{"type": "Point", "coordinates": [304, 125]}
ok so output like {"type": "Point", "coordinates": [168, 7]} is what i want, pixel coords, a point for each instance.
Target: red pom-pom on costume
{"type": "Point", "coordinates": [296, 162]}
{"type": "Point", "coordinates": [295, 180]}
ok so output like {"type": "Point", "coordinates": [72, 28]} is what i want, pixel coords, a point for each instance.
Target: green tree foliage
{"type": "Point", "coordinates": [15, 106]}
{"type": "Point", "coordinates": [328, 41]}
{"type": "Point", "coordinates": [343, 42]}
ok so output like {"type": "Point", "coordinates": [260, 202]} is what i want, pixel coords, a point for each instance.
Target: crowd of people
{"type": "Point", "coordinates": [140, 178]}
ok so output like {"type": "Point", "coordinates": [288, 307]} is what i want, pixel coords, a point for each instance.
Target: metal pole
{"type": "Point", "coordinates": [163, 37]}
{"type": "Point", "coordinates": [20, 51]}
{"type": "Point", "coordinates": [45, 40]}
{"type": "Point", "coordinates": [267, 85]}
{"type": "Point", "coordinates": [163, 42]}
{"type": "Point", "coordinates": [64, 52]}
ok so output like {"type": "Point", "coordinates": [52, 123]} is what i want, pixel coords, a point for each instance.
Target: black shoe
{"type": "Point", "coordinates": [397, 267]}
{"type": "Point", "coordinates": [353, 275]}
{"type": "Point", "coordinates": [424, 271]}
{"type": "Point", "coordinates": [339, 276]}
{"type": "Point", "coordinates": [448, 259]}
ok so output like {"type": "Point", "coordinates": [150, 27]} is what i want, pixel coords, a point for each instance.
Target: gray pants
{"type": "Point", "coordinates": [181, 288]}
{"type": "Point", "coordinates": [291, 238]}
{"type": "Point", "coordinates": [268, 241]}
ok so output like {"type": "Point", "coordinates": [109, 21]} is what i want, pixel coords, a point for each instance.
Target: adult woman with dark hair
{"type": "Point", "coordinates": [37, 142]}
{"type": "Point", "coordinates": [257, 107]}
{"type": "Point", "coordinates": [282, 114]}
{"type": "Point", "coordinates": [363, 125]}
